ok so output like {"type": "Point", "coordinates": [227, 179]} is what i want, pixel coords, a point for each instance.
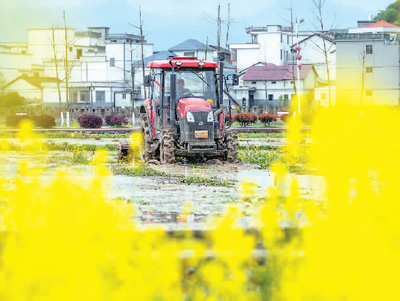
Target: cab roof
{"type": "Point", "coordinates": [186, 62]}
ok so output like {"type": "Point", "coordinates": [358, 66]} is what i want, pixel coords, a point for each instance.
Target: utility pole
{"type": "Point", "coordinates": [228, 23]}
{"type": "Point", "coordinates": [298, 66]}
{"type": "Point", "coordinates": [219, 22]}
{"type": "Point", "coordinates": [362, 77]}
{"type": "Point", "coordinates": [205, 58]}
{"type": "Point", "coordinates": [66, 60]}
{"type": "Point", "coordinates": [141, 46]}
{"type": "Point", "coordinates": [292, 41]}
{"type": "Point", "coordinates": [133, 81]}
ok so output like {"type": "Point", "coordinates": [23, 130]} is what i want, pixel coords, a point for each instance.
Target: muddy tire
{"type": "Point", "coordinates": [232, 146]}
{"type": "Point", "coordinates": [167, 147]}
{"type": "Point", "coordinates": [123, 150]}
{"type": "Point", "coordinates": [148, 153]}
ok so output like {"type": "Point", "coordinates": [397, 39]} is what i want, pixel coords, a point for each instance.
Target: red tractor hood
{"type": "Point", "coordinates": [192, 104]}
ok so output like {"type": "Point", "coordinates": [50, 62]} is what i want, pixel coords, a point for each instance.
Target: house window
{"type": "Point", "coordinates": [100, 96]}
{"type": "Point", "coordinates": [254, 83]}
{"type": "Point", "coordinates": [368, 92]}
{"type": "Point", "coordinates": [123, 96]}
{"type": "Point", "coordinates": [70, 49]}
{"type": "Point", "coordinates": [368, 49]}
{"type": "Point", "coordinates": [369, 69]}
{"type": "Point", "coordinates": [274, 83]}
{"type": "Point", "coordinates": [287, 40]}
{"type": "Point", "coordinates": [78, 53]}
{"type": "Point", "coordinates": [323, 96]}
{"type": "Point", "coordinates": [189, 53]}
{"type": "Point", "coordinates": [281, 54]}
{"type": "Point", "coordinates": [112, 61]}
{"type": "Point", "coordinates": [270, 97]}
{"type": "Point", "coordinates": [254, 38]}
{"type": "Point", "coordinates": [281, 38]}
{"type": "Point", "coordinates": [84, 96]}
{"type": "Point", "coordinates": [23, 51]}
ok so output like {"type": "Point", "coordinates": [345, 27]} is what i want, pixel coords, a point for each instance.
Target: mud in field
{"type": "Point", "coordinates": [166, 201]}
{"type": "Point", "coordinates": [114, 141]}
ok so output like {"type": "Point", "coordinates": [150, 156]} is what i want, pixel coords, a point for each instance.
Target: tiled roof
{"type": "Point", "coordinates": [271, 72]}
{"type": "Point", "coordinates": [381, 24]}
{"type": "Point", "coordinates": [321, 35]}
{"type": "Point", "coordinates": [189, 45]}
{"type": "Point", "coordinates": [34, 80]}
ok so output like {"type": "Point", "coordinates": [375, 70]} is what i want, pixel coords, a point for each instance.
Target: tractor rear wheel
{"type": "Point", "coordinates": [231, 146]}
{"type": "Point", "coordinates": [148, 153]}
{"type": "Point", "coordinates": [167, 147]}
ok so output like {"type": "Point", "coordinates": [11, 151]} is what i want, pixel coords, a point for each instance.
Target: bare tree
{"type": "Point", "coordinates": [319, 5]}
{"type": "Point", "coordinates": [140, 27]}
{"type": "Point", "coordinates": [218, 22]}
{"type": "Point", "coordinates": [66, 61]}
{"type": "Point", "coordinates": [54, 46]}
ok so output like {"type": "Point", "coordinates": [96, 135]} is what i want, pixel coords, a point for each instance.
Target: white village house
{"type": "Point", "coordinates": [275, 44]}
{"type": "Point", "coordinates": [272, 86]}
{"type": "Point", "coordinates": [99, 67]}
{"type": "Point", "coordinates": [368, 65]}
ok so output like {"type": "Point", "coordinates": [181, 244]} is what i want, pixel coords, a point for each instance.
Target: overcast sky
{"type": "Point", "coordinates": [169, 22]}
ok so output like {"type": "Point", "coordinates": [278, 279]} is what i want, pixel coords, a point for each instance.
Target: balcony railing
{"type": "Point", "coordinates": [366, 36]}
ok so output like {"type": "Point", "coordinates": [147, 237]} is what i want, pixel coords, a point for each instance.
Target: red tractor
{"type": "Point", "coordinates": [184, 115]}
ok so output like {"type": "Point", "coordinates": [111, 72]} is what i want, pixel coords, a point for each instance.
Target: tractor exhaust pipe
{"type": "Point", "coordinates": [221, 58]}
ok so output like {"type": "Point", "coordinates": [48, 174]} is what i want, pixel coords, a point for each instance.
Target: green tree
{"type": "Point", "coordinates": [391, 14]}
{"type": "Point", "coordinates": [12, 99]}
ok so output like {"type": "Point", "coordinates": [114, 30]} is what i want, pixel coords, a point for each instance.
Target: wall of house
{"type": "Point", "coordinates": [247, 56]}
{"type": "Point", "coordinates": [50, 94]}
{"type": "Point", "coordinates": [312, 54]}
{"type": "Point", "coordinates": [267, 48]}
{"type": "Point", "coordinates": [40, 44]}
{"type": "Point", "coordinates": [13, 65]}
{"type": "Point", "coordinates": [271, 45]}
{"type": "Point", "coordinates": [321, 96]}
{"type": "Point", "coordinates": [278, 90]}
{"type": "Point", "coordinates": [200, 54]}
{"type": "Point", "coordinates": [383, 81]}
{"type": "Point", "coordinates": [26, 90]}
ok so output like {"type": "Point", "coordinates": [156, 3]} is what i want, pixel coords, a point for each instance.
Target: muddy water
{"type": "Point", "coordinates": [106, 141]}
{"type": "Point", "coordinates": [167, 202]}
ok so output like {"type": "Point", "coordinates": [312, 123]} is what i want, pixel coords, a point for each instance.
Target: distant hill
{"type": "Point", "coordinates": [391, 14]}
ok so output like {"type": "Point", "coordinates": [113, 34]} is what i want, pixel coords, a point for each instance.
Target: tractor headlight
{"type": "Point", "coordinates": [210, 117]}
{"type": "Point", "coordinates": [189, 117]}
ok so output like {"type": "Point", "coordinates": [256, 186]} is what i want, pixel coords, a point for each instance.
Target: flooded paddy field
{"type": "Point", "coordinates": [177, 196]}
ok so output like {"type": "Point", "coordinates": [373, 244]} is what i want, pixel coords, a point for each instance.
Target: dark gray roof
{"type": "Point", "coordinates": [189, 45]}
{"type": "Point", "coordinates": [229, 65]}
{"type": "Point", "coordinates": [321, 35]}
{"type": "Point", "coordinates": [161, 55]}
